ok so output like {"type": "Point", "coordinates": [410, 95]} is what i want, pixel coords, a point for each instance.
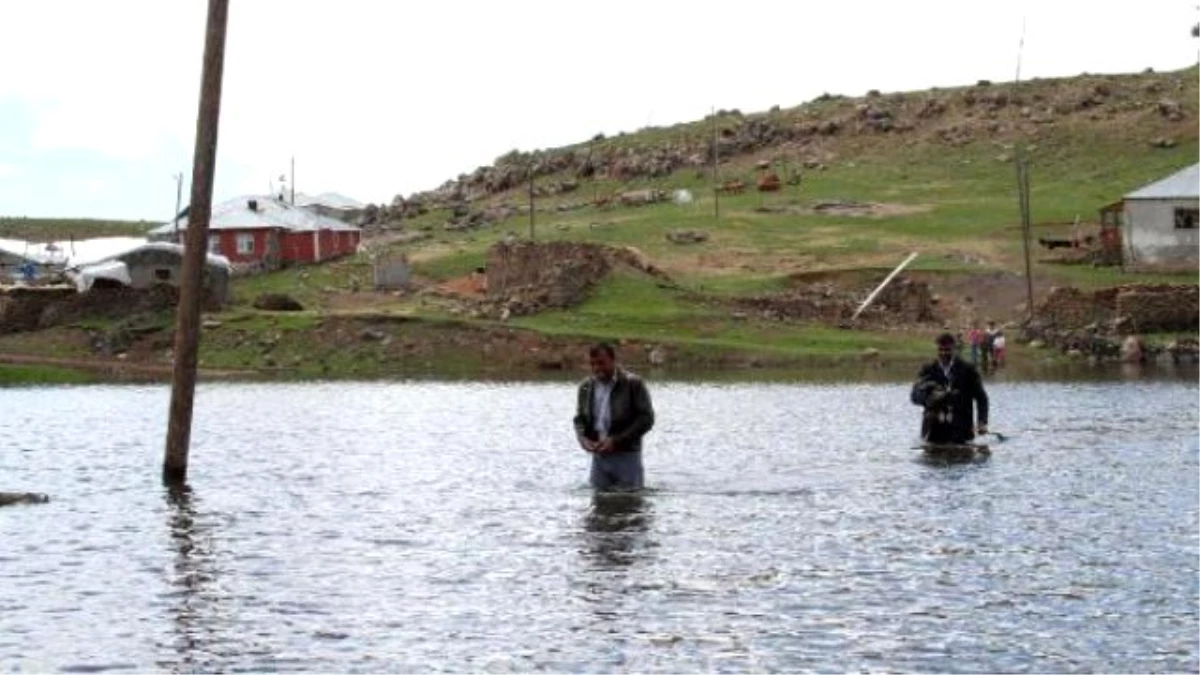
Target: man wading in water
{"type": "Point", "coordinates": [946, 389]}
{"type": "Point", "coordinates": [612, 414]}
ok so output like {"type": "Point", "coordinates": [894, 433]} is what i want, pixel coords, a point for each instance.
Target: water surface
{"type": "Point", "coordinates": [426, 526]}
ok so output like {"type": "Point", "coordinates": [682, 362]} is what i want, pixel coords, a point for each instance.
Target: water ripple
{"type": "Point", "coordinates": [443, 527]}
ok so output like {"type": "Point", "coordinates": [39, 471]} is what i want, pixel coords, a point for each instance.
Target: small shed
{"type": "Point", "coordinates": [1161, 221]}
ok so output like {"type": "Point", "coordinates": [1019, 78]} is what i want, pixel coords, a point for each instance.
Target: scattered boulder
{"type": "Point", "coordinates": [1132, 350]}
{"type": "Point", "coordinates": [657, 356]}
{"type": "Point", "coordinates": [371, 335]}
{"type": "Point", "coordinates": [1171, 110]}
{"type": "Point", "coordinates": [277, 302]}
{"type": "Point", "coordinates": [687, 236]}
{"type": "Point", "coordinates": [642, 197]}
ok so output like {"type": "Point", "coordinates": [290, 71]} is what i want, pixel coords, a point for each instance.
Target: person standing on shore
{"type": "Point", "coordinates": [613, 412]}
{"type": "Point", "coordinates": [975, 338]}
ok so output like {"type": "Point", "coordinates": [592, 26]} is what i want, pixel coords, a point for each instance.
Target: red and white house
{"type": "Point", "coordinates": [268, 231]}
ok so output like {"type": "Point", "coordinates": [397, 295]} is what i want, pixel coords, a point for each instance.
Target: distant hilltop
{"type": "Point", "coordinates": [1159, 109]}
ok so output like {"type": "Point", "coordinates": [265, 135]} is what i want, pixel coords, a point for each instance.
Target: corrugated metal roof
{"type": "Point", "coordinates": [332, 200]}
{"type": "Point", "coordinates": [269, 212]}
{"type": "Point", "coordinates": [1184, 184]}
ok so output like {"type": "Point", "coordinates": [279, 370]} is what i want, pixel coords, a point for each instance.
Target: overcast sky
{"type": "Point", "coordinates": [376, 97]}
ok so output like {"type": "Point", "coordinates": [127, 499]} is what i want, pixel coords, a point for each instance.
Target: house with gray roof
{"type": "Point", "coordinates": [1161, 221]}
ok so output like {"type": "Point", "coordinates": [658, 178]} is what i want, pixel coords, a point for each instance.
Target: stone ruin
{"type": "Point", "coordinates": [905, 301]}
{"type": "Point", "coordinates": [30, 309]}
{"type": "Point", "coordinates": [527, 277]}
{"type": "Point", "coordinates": [1098, 323]}
{"type": "Point", "coordinates": [1123, 310]}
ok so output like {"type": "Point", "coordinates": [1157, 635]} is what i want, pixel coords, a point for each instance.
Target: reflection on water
{"type": "Point", "coordinates": [195, 611]}
{"type": "Point", "coordinates": [368, 527]}
{"type": "Point", "coordinates": [616, 528]}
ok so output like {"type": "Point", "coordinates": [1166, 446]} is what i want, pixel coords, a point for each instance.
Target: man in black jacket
{"type": "Point", "coordinates": [946, 389]}
{"type": "Point", "coordinates": [612, 413]}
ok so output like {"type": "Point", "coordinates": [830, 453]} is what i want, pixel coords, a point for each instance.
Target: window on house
{"type": "Point", "coordinates": [1186, 219]}
{"type": "Point", "coordinates": [214, 243]}
{"type": "Point", "coordinates": [162, 274]}
{"type": "Point", "coordinates": [245, 244]}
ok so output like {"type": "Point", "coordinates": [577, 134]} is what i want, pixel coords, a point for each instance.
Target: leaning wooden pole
{"type": "Point", "coordinates": [187, 324]}
{"type": "Point", "coordinates": [882, 285]}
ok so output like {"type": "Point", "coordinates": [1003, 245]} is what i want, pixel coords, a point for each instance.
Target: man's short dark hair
{"type": "Point", "coordinates": [945, 340]}
{"type": "Point", "coordinates": [602, 348]}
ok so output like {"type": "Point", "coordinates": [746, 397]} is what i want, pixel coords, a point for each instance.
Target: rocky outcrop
{"type": "Point", "coordinates": [806, 134]}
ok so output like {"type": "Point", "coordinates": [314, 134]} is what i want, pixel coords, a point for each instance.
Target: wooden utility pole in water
{"type": "Point", "coordinates": [191, 286]}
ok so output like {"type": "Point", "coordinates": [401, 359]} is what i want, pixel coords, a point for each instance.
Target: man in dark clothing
{"type": "Point", "coordinates": [946, 389]}
{"type": "Point", "coordinates": [612, 413]}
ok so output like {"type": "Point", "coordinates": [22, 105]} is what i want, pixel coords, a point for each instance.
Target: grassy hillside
{"type": "Point", "coordinates": [61, 229]}
{"type": "Point", "coordinates": [931, 172]}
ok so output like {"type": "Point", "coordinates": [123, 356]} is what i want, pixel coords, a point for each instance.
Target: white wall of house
{"type": "Point", "coordinates": [1152, 237]}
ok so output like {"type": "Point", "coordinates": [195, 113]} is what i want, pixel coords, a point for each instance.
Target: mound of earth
{"type": "Point", "coordinates": [528, 277]}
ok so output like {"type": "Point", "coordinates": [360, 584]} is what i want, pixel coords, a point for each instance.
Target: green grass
{"type": "Point", "coordinates": [21, 375]}
{"type": "Point", "coordinates": [633, 306]}
{"type": "Point", "coordinates": [59, 229]}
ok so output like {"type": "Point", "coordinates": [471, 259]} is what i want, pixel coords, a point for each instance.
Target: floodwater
{"type": "Point", "coordinates": [422, 526]}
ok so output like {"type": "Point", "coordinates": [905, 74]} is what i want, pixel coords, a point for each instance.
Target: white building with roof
{"type": "Point", "coordinates": [1161, 220]}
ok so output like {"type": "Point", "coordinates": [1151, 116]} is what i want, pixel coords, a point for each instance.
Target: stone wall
{"type": "Point", "coordinates": [29, 309]}
{"type": "Point", "coordinates": [553, 274]}
{"type": "Point", "coordinates": [907, 301]}
{"type": "Point", "coordinates": [1069, 307]}
{"type": "Point", "coordinates": [1159, 308]}
{"type": "Point", "coordinates": [1132, 308]}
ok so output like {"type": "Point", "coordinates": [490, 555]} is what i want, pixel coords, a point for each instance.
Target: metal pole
{"type": "Point", "coordinates": [178, 202]}
{"type": "Point", "coordinates": [187, 338]}
{"type": "Point", "coordinates": [1026, 229]}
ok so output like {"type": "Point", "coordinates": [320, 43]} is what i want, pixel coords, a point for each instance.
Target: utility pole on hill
{"type": "Point", "coordinates": [187, 338]}
{"type": "Point", "coordinates": [531, 209]}
{"type": "Point", "coordinates": [716, 178]}
{"type": "Point", "coordinates": [1023, 191]}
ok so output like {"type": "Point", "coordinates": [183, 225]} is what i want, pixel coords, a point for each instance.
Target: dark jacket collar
{"type": "Point", "coordinates": [619, 375]}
